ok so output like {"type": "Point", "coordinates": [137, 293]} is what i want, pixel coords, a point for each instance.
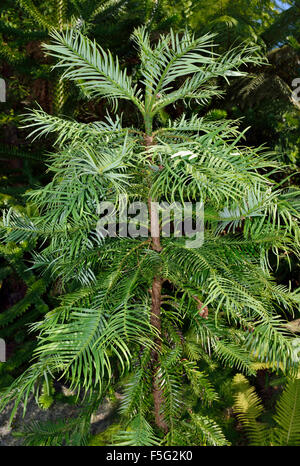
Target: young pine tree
{"type": "Point", "coordinates": [148, 311]}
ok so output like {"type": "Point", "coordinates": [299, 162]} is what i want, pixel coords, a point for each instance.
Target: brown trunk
{"type": "Point", "coordinates": [156, 323]}
{"type": "Point", "coordinates": [154, 222]}
{"type": "Point", "coordinates": [155, 318]}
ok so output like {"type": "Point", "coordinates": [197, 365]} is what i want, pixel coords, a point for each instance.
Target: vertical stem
{"type": "Point", "coordinates": [59, 86]}
{"type": "Point", "coordinates": [155, 318]}
{"type": "Point", "coordinates": [154, 224]}
{"type": "Point", "coordinates": [61, 7]}
{"type": "Point", "coordinates": [155, 321]}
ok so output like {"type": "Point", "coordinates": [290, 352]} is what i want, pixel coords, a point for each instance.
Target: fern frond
{"type": "Point", "coordinates": [248, 407]}
{"type": "Point", "coordinates": [138, 433]}
{"type": "Point", "coordinates": [287, 415]}
{"type": "Point", "coordinates": [208, 431]}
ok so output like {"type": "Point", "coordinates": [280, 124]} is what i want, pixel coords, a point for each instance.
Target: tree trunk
{"type": "Point", "coordinates": [155, 318]}
{"type": "Point", "coordinates": [155, 321]}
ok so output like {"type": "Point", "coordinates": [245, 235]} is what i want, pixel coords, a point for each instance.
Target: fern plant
{"type": "Point", "coordinates": [249, 407]}
{"type": "Point", "coordinates": [145, 311]}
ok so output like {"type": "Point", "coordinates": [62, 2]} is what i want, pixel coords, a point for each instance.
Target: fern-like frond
{"type": "Point", "coordinates": [66, 130]}
{"type": "Point", "coordinates": [208, 431]}
{"type": "Point", "coordinates": [138, 433]}
{"type": "Point", "coordinates": [287, 415]}
{"type": "Point", "coordinates": [248, 407]}
{"type": "Point", "coordinates": [93, 69]}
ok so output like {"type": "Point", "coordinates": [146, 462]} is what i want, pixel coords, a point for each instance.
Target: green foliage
{"type": "Point", "coordinates": [51, 433]}
{"type": "Point", "coordinates": [287, 415]}
{"type": "Point", "coordinates": [249, 408]}
{"type": "Point", "coordinates": [105, 438]}
{"type": "Point", "coordinates": [73, 431]}
{"type": "Point", "coordinates": [138, 433]}
{"type": "Point", "coordinates": [204, 431]}
{"type": "Point", "coordinates": [46, 398]}
{"type": "Point", "coordinates": [29, 304]}
{"type": "Point", "coordinates": [219, 301]}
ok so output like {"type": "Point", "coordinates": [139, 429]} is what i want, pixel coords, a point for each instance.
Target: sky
{"type": "Point", "coordinates": [283, 5]}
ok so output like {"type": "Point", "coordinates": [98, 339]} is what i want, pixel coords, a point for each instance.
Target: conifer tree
{"type": "Point", "coordinates": [147, 311]}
